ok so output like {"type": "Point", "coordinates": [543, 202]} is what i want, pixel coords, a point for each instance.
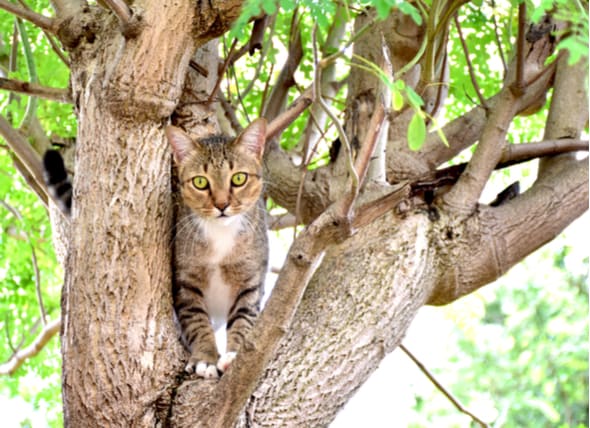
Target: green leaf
{"type": "Point", "coordinates": [416, 131]}
{"type": "Point", "coordinates": [397, 100]}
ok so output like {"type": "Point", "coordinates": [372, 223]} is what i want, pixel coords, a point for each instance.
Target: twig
{"type": "Point", "coordinates": [480, 96]}
{"type": "Point", "coordinates": [24, 153]}
{"type": "Point", "coordinates": [254, 42]}
{"type": "Point", "coordinates": [441, 388]}
{"type": "Point", "coordinates": [119, 8]}
{"type": "Point", "coordinates": [222, 71]}
{"type": "Point", "coordinates": [54, 94]}
{"type": "Point", "coordinates": [18, 215]}
{"type": "Point", "coordinates": [288, 116]}
{"type": "Point", "coordinates": [43, 22]}
{"type": "Point", "coordinates": [278, 95]}
{"type": "Point", "coordinates": [50, 329]}
{"type": "Point", "coordinates": [230, 113]}
{"type": "Point", "coordinates": [498, 41]}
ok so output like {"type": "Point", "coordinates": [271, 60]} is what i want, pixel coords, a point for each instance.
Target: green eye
{"type": "Point", "coordinates": [239, 178]}
{"type": "Point", "coordinates": [200, 182]}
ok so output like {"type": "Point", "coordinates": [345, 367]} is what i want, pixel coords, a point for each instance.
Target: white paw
{"type": "Point", "coordinates": [225, 360]}
{"type": "Point", "coordinates": [202, 369]}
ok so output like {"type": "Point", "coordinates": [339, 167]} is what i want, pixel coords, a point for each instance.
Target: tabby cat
{"type": "Point", "coordinates": [221, 248]}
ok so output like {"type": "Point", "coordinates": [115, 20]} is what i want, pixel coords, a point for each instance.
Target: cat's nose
{"type": "Point", "coordinates": [221, 206]}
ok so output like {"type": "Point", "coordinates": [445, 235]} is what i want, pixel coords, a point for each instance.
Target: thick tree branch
{"type": "Point", "coordinates": [568, 112]}
{"type": "Point", "coordinates": [33, 89]}
{"type": "Point", "coordinates": [50, 329]}
{"type": "Point", "coordinates": [504, 235]}
{"type": "Point", "coordinates": [41, 21]}
{"type": "Point", "coordinates": [463, 197]}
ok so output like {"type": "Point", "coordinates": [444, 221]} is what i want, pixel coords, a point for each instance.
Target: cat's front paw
{"type": "Point", "coordinates": [225, 360]}
{"type": "Point", "coordinates": [202, 369]}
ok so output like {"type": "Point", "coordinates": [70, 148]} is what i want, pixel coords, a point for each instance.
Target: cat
{"type": "Point", "coordinates": [220, 244]}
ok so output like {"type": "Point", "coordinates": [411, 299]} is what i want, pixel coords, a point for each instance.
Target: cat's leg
{"type": "Point", "coordinates": [240, 320]}
{"type": "Point", "coordinates": [197, 332]}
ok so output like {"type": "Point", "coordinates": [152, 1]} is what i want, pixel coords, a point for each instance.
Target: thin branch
{"type": "Point", "coordinates": [482, 100]}
{"type": "Point", "coordinates": [230, 113]}
{"type": "Point", "coordinates": [18, 215]}
{"type": "Point", "coordinates": [12, 365]}
{"type": "Point", "coordinates": [498, 41]}
{"type": "Point", "coordinates": [317, 97]}
{"type": "Point", "coordinates": [54, 94]}
{"type": "Point", "coordinates": [119, 8]}
{"type": "Point", "coordinates": [286, 80]}
{"type": "Point", "coordinates": [283, 120]}
{"type": "Point", "coordinates": [222, 71]}
{"type": "Point", "coordinates": [254, 42]}
{"type": "Point", "coordinates": [41, 21]}
{"type": "Point", "coordinates": [441, 388]}
{"type": "Point", "coordinates": [24, 152]}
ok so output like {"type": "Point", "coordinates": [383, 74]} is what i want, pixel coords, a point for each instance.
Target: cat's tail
{"type": "Point", "coordinates": [57, 180]}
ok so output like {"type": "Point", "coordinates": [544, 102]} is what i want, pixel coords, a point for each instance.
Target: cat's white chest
{"type": "Point", "coordinates": [221, 237]}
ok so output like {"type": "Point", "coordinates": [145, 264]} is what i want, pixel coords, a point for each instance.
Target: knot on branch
{"type": "Point", "coordinates": [79, 29]}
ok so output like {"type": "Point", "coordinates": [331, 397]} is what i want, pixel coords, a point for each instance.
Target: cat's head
{"type": "Point", "coordinates": [220, 177]}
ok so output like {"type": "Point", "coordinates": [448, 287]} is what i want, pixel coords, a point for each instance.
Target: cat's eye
{"type": "Point", "coordinates": [200, 182]}
{"type": "Point", "coordinates": [239, 178]}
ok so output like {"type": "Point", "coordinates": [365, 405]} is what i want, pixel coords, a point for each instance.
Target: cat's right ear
{"type": "Point", "coordinates": [180, 142]}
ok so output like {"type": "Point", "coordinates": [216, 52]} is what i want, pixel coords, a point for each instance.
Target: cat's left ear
{"type": "Point", "coordinates": [179, 141]}
{"type": "Point", "coordinates": [253, 137]}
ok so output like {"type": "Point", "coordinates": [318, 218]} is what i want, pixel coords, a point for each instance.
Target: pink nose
{"type": "Point", "coordinates": [221, 206]}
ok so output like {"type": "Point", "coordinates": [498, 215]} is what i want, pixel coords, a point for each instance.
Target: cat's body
{"type": "Point", "coordinates": [221, 249]}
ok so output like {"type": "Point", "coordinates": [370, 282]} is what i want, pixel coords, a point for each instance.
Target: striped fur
{"type": "Point", "coordinates": [221, 249]}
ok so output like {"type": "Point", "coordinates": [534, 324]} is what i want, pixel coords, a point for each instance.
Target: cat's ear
{"type": "Point", "coordinates": [253, 137]}
{"type": "Point", "coordinates": [179, 141]}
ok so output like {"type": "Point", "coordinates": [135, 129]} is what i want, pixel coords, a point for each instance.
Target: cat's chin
{"type": "Point", "coordinates": [226, 220]}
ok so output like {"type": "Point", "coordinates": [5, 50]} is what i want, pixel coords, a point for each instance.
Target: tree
{"type": "Point", "coordinates": [387, 229]}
